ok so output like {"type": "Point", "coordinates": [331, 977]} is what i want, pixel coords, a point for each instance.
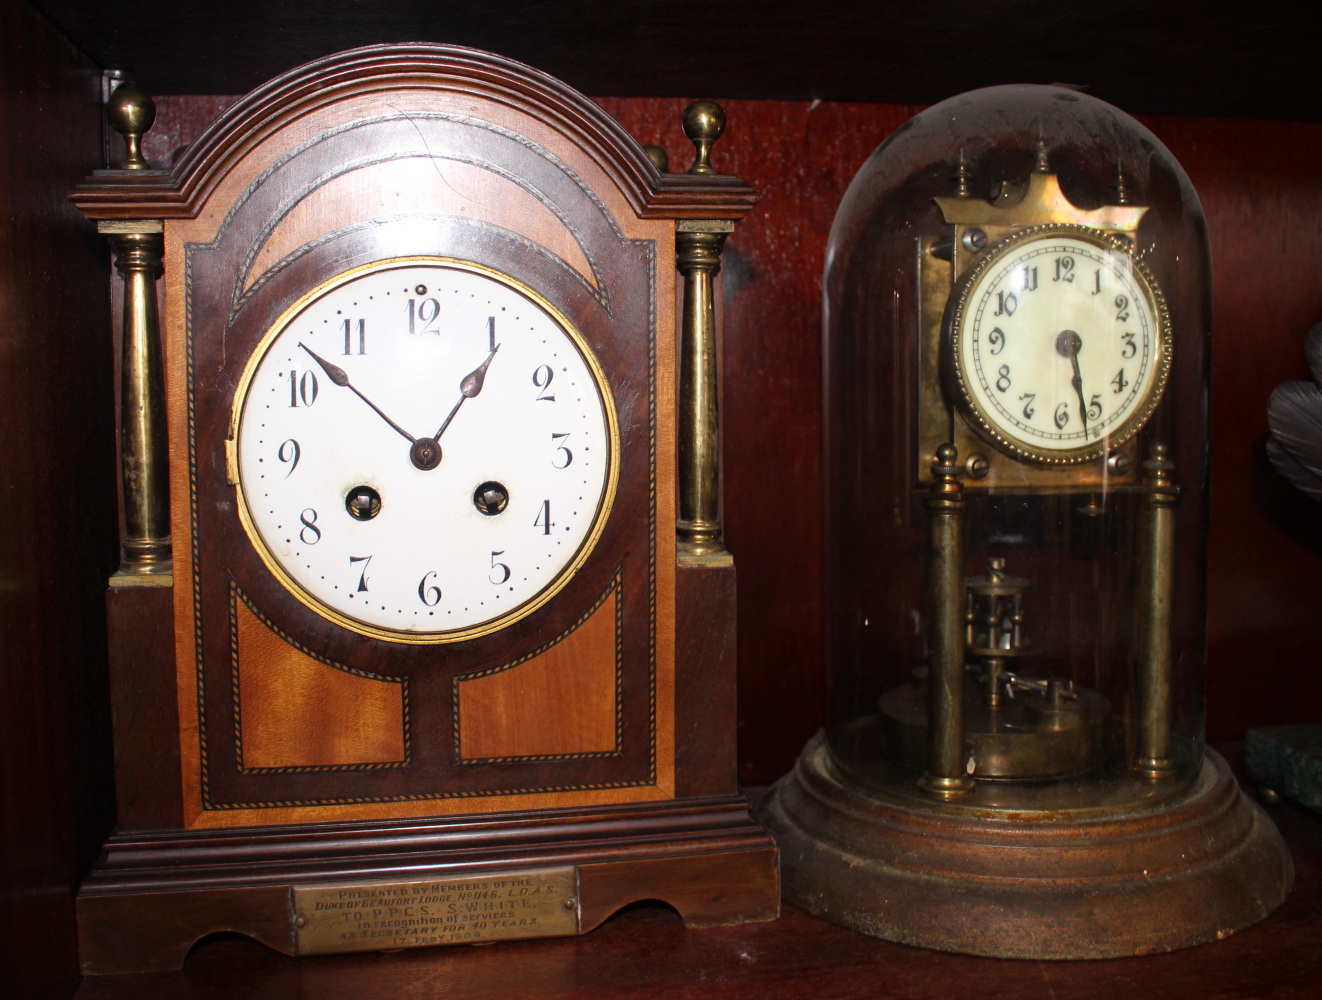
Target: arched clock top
{"type": "Point", "coordinates": [181, 192]}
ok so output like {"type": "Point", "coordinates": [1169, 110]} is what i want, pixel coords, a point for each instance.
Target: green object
{"type": "Point", "coordinates": [1287, 759]}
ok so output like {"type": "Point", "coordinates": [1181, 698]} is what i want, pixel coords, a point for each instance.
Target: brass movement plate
{"type": "Point", "coordinates": [384, 916]}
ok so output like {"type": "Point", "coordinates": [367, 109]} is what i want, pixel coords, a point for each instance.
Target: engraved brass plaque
{"type": "Point", "coordinates": [462, 909]}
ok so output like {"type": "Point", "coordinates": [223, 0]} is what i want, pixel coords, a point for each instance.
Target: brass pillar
{"type": "Point", "coordinates": [1154, 662]}
{"type": "Point", "coordinates": [946, 776]}
{"type": "Point", "coordinates": [698, 257]}
{"type": "Point", "coordinates": [144, 465]}
{"type": "Point", "coordinates": [698, 244]}
{"type": "Point", "coordinates": [142, 441]}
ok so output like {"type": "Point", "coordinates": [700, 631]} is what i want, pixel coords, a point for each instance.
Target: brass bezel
{"type": "Point", "coordinates": [968, 404]}
{"type": "Point", "coordinates": [533, 603]}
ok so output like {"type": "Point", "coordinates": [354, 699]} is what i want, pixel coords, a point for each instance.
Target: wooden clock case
{"type": "Point", "coordinates": [258, 747]}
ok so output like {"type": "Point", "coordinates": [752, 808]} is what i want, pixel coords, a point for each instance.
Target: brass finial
{"type": "Point", "coordinates": [658, 157]}
{"type": "Point", "coordinates": [1043, 166]}
{"type": "Point", "coordinates": [946, 470]}
{"type": "Point", "coordinates": [962, 177]}
{"type": "Point", "coordinates": [1159, 466]}
{"type": "Point", "coordinates": [1121, 195]}
{"type": "Point", "coordinates": [704, 121]}
{"type": "Point", "coordinates": [131, 113]}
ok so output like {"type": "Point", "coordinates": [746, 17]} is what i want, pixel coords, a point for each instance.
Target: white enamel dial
{"type": "Point", "coordinates": [1061, 344]}
{"type": "Point", "coordinates": [426, 450]}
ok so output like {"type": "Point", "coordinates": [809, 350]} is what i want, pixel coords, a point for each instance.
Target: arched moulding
{"type": "Point", "coordinates": [180, 193]}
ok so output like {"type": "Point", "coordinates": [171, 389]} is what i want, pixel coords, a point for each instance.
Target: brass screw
{"type": "Point", "coordinates": [131, 113]}
{"type": "Point", "coordinates": [300, 922]}
{"type": "Point", "coordinates": [704, 122]}
{"type": "Point", "coordinates": [974, 239]}
{"type": "Point", "coordinates": [1120, 464]}
{"type": "Point", "coordinates": [569, 903]}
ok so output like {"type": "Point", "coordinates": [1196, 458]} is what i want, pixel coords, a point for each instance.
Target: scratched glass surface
{"type": "Point", "coordinates": [1080, 550]}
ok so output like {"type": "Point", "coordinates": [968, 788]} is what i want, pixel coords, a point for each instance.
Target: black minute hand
{"type": "Point", "coordinates": [341, 378]}
{"type": "Point", "coordinates": [469, 387]}
{"type": "Point", "coordinates": [1069, 344]}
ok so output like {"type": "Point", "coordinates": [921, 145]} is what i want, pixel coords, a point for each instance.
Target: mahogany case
{"type": "Point", "coordinates": [259, 746]}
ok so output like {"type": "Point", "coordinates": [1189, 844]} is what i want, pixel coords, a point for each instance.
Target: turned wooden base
{"type": "Point", "coordinates": [153, 896]}
{"type": "Point", "coordinates": [1192, 870]}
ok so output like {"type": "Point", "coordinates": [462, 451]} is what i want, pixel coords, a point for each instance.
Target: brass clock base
{"type": "Point", "coordinates": [1199, 867]}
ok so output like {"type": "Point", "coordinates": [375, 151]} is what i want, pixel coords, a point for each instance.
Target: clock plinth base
{"type": "Point", "coordinates": [1194, 870]}
{"type": "Point", "coordinates": [153, 896]}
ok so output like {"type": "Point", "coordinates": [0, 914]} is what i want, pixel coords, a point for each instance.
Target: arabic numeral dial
{"type": "Point", "coordinates": [425, 450]}
{"type": "Point", "coordinates": [1060, 344]}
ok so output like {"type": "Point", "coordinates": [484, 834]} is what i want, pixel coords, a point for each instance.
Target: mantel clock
{"type": "Point", "coordinates": [1017, 316]}
{"type": "Point", "coordinates": [426, 634]}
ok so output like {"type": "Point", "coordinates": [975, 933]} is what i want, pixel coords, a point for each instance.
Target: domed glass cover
{"type": "Point", "coordinates": [1017, 316]}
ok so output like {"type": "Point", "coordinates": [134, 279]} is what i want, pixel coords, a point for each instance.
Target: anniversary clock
{"type": "Point", "coordinates": [424, 628]}
{"type": "Point", "coordinates": [1016, 336]}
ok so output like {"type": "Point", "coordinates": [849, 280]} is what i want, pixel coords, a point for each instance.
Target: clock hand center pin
{"type": "Point", "coordinates": [1068, 344]}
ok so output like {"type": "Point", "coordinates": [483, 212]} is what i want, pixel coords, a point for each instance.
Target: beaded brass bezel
{"type": "Point", "coordinates": [957, 380]}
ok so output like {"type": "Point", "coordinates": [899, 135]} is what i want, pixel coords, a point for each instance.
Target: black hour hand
{"type": "Point", "coordinates": [334, 372]}
{"type": "Point", "coordinates": [472, 383]}
{"type": "Point", "coordinates": [469, 387]}
{"type": "Point", "coordinates": [341, 378]}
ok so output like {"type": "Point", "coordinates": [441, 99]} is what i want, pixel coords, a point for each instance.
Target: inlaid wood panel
{"type": "Point", "coordinates": [298, 711]}
{"type": "Point", "coordinates": [417, 186]}
{"type": "Point", "coordinates": [562, 701]}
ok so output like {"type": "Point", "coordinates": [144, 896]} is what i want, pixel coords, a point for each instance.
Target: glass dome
{"type": "Point", "coordinates": [1017, 318]}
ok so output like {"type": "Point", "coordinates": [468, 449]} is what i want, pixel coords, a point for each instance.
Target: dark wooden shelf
{"type": "Point", "coordinates": [645, 951]}
{"type": "Point", "coordinates": [1243, 61]}
{"type": "Point", "coordinates": [1257, 180]}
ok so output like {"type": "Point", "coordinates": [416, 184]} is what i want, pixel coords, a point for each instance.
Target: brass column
{"type": "Point", "coordinates": [143, 462]}
{"type": "Point", "coordinates": [138, 245]}
{"type": "Point", "coordinates": [698, 244]}
{"type": "Point", "coordinates": [946, 775]}
{"type": "Point", "coordinates": [1155, 589]}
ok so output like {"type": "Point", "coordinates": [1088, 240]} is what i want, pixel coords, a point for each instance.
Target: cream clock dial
{"type": "Point", "coordinates": [425, 450]}
{"type": "Point", "coordinates": [1060, 344]}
